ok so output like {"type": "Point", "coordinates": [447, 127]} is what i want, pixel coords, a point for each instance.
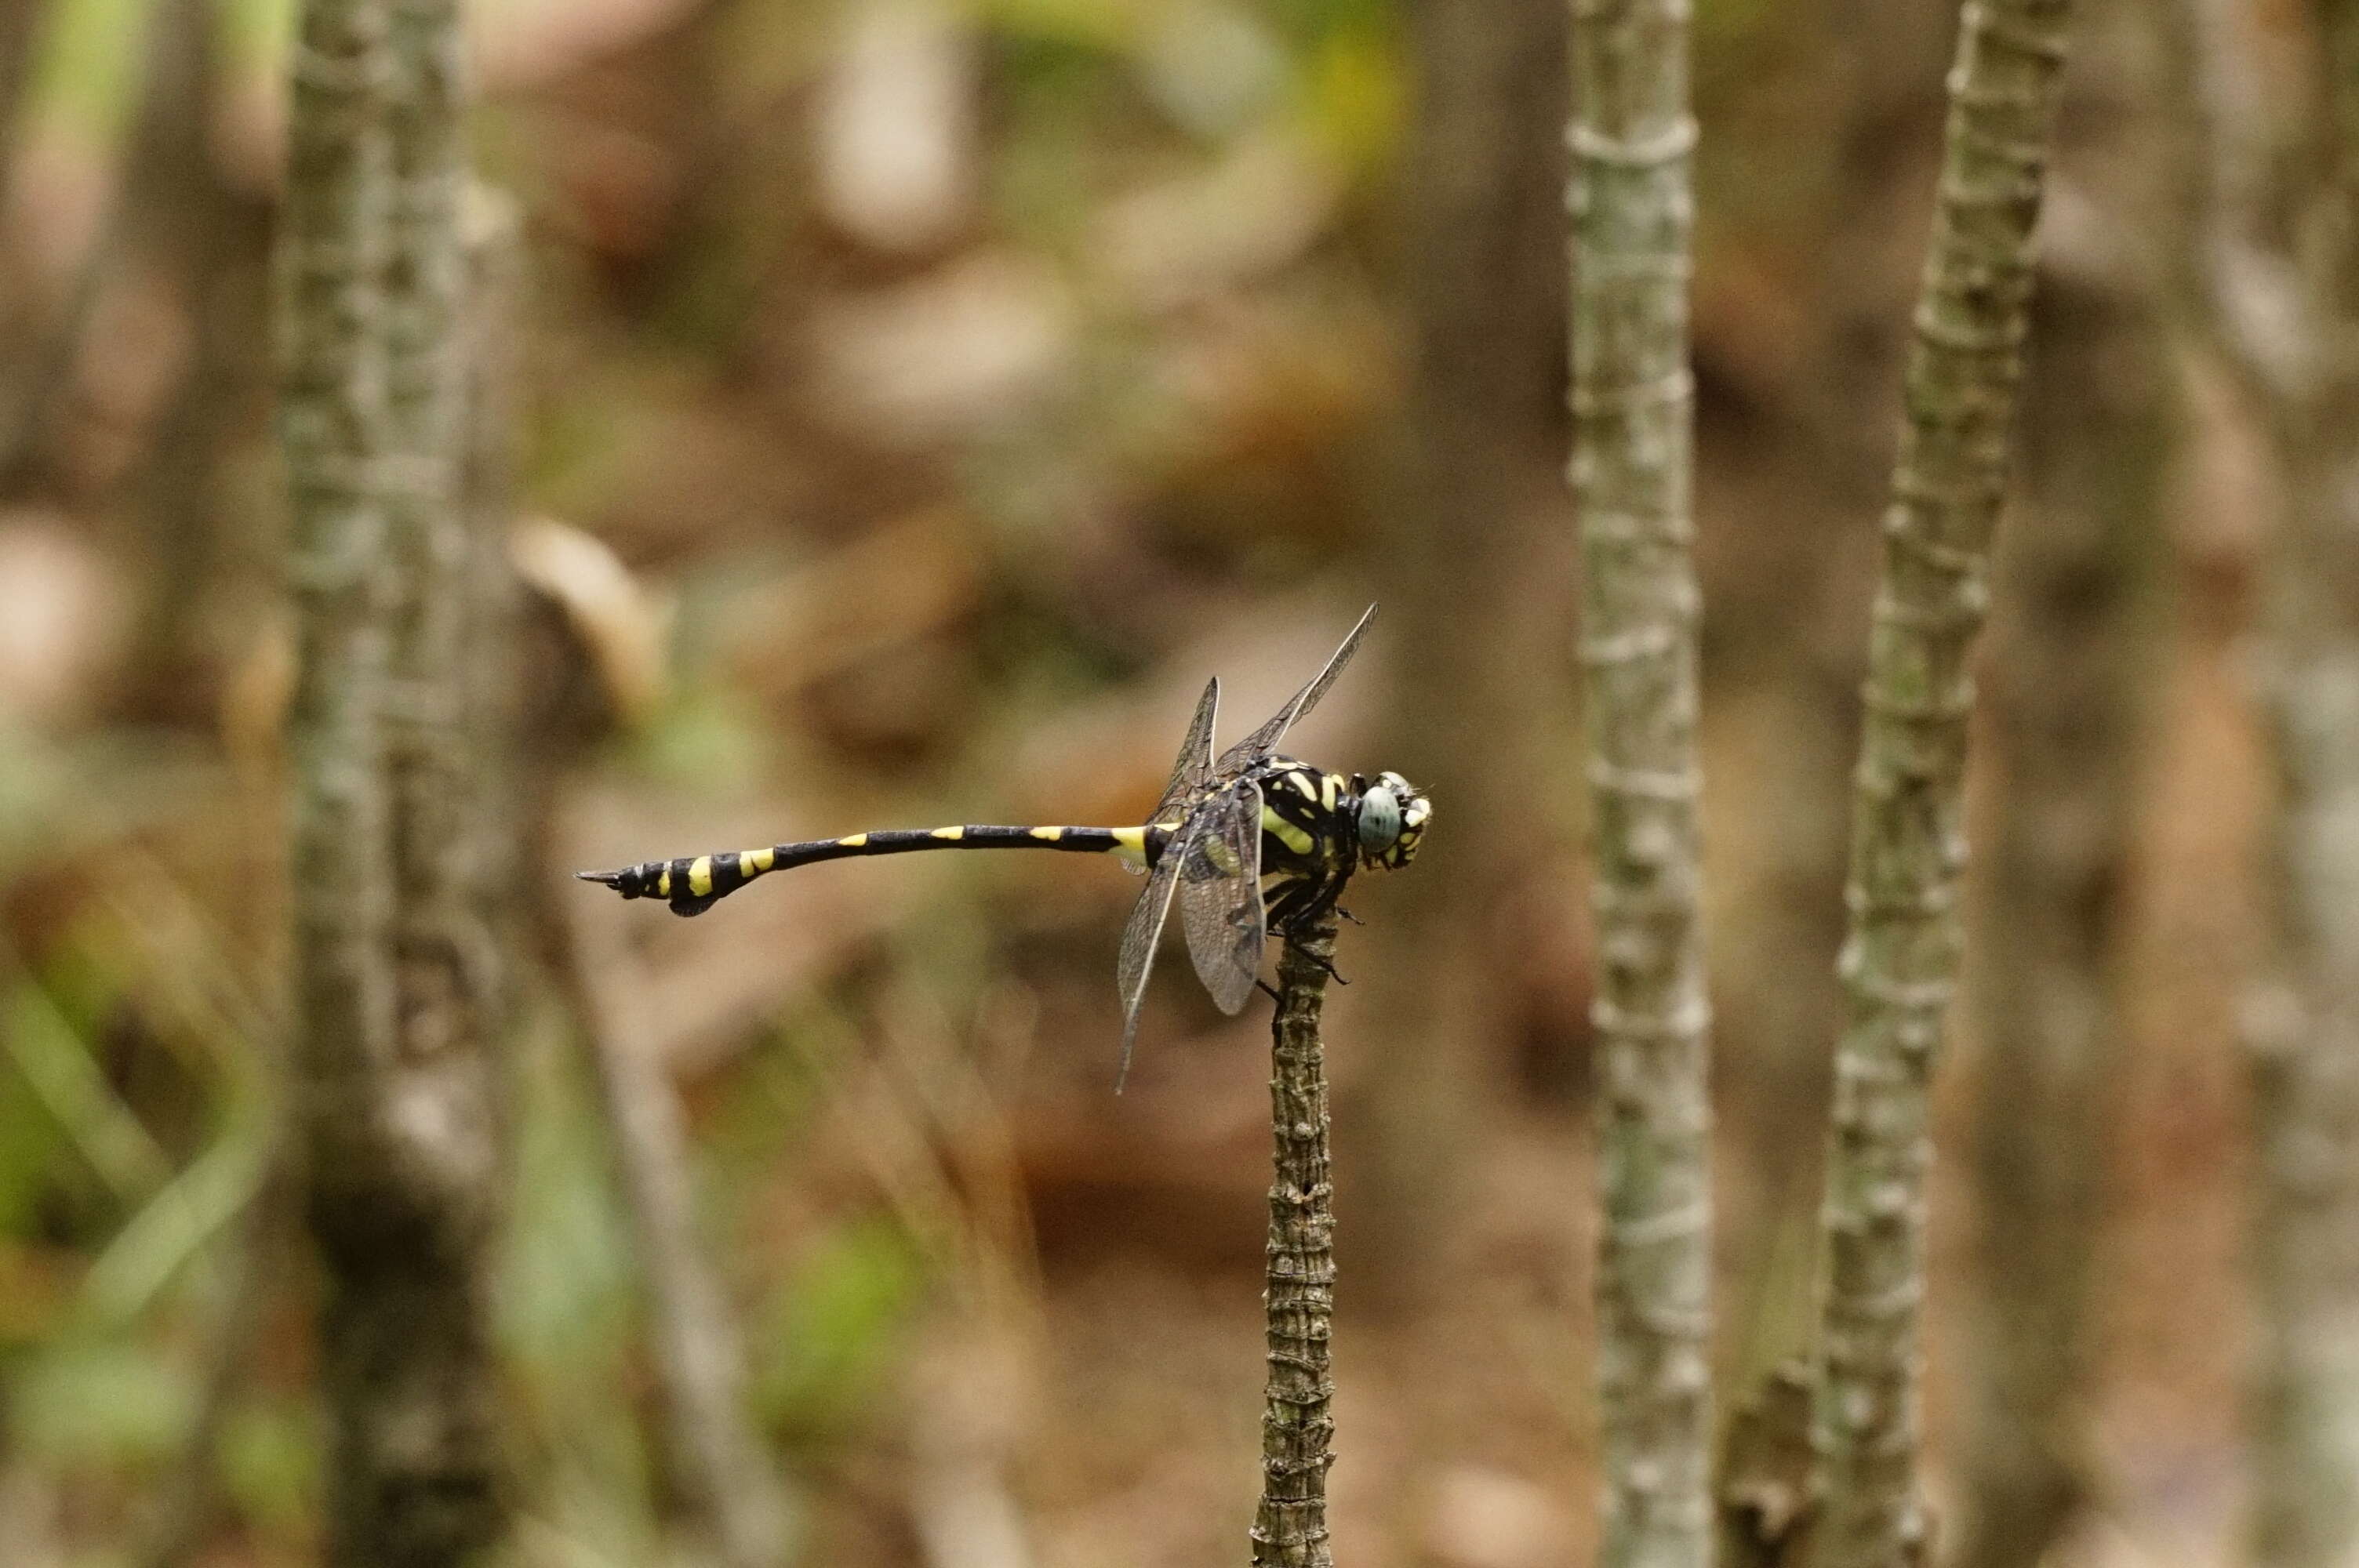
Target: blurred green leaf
{"type": "Point", "coordinates": [270, 1468]}
{"type": "Point", "coordinates": [832, 1326]}
{"type": "Point", "coordinates": [1355, 94]}
{"type": "Point", "coordinates": [1107, 25]}
{"type": "Point", "coordinates": [567, 1295]}
{"type": "Point", "coordinates": [764, 1112]}
{"type": "Point", "coordinates": [85, 76]}
{"type": "Point", "coordinates": [710, 738]}
{"type": "Point", "coordinates": [83, 1403]}
{"type": "Point", "coordinates": [62, 798]}
{"type": "Point", "coordinates": [57, 1063]}
{"type": "Point", "coordinates": [175, 1225]}
{"type": "Point", "coordinates": [255, 32]}
{"type": "Point", "coordinates": [568, 1312]}
{"type": "Point", "coordinates": [1721, 22]}
{"type": "Point", "coordinates": [30, 1143]}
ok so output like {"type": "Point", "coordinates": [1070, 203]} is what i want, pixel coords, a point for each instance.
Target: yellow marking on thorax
{"type": "Point", "coordinates": [1286, 832]}
{"type": "Point", "coordinates": [1130, 845]}
{"type": "Point", "coordinates": [754, 862]}
{"type": "Point", "coordinates": [1328, 786]}
{"type": "Point", "coordinates": [949, 833]}
{"type": "Point", "coordinates": [1301, 780]}
{"type": "Point", "coordinates": [854, 841]}
{"type": "Point", "coordinates": [1050, 834]}
{"type": "Point", "coordinates": [700, 875]}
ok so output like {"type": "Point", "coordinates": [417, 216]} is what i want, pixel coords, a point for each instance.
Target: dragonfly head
{"type": "Point", "coordinates": [1391, 819]}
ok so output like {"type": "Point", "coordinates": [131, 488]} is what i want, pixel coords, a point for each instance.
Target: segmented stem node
{"type": "Point", "coordinates": [1290, 1528]}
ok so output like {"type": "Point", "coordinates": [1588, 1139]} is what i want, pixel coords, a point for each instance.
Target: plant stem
{"type": "Point", "coordinates": [1633, 407]}
{"type": "Point", "coordinates": [2306, 1047]}
{"type": "Point", "coordinates": [1899, 962]}
{"type": "Point", "coordinates": [1290, 1526]}
{"type": "Point", "coordinates": [398, 975]}
{"type": "Point", "coordinates": [2274, 286]}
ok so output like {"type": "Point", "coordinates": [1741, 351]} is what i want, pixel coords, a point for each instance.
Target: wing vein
{"type": "Point", "coordinates": [1264, 741]}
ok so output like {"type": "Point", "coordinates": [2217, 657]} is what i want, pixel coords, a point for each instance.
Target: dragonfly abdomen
{"type": "Point", "coordinates": [692, 884]}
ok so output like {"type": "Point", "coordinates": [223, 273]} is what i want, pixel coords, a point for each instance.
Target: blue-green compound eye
{"type": "Point", "coordinates": [1380, 820]}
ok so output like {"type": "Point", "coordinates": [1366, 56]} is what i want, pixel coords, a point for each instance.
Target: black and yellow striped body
{"type": "Point", "coordinates": [692, 884]}
{"type": "Point", "coordinates": [1307, 848]}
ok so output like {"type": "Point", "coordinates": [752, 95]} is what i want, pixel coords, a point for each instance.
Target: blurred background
{"type": "Point", "coordinates": [917, 400]}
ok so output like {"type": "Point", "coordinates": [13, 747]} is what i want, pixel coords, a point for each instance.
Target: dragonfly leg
{"type": "Point", "coordinates": [1270, 990]}
{"type": "Point", "coordinates": [1328, 965]}
{"type": "Point", "coordinates": [1347, 915]}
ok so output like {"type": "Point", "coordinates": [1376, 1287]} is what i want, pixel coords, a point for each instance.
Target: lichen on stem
{"type": "Point", "coordinates": [1290, 1527]}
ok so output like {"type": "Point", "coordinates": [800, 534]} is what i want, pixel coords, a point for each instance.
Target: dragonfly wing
{"type": "Point", "coordinates": [1139, 938]}
{"type": "Point", "coordinates": [1220, 893]}
{"type": "Point", "coordinates": [1264, 741]}
{"type": "Point", "coordinates": [1194, 767]}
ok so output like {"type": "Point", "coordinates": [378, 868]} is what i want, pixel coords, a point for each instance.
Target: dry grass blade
{"type": "Point", "coordinates": [716, 1453]}
{"type": "Point", "coordinates": [57, 1064]}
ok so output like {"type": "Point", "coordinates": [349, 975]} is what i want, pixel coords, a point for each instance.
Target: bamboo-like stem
{"type": "Point", "coordinates": [333, 430]}
{"type": "Point", "coordinates": [397, 969]}
{"type": "Point", "coordinates": [2273, 285]}
{"type": "Point", "coordinates": [1290, 1528]}
{"type": "Point", "coordinates": [1633, 410]}
{"type": "Point", "coordinates": [1899, 961]}
{"type": "Point", "coordinates": [2306, 1047]}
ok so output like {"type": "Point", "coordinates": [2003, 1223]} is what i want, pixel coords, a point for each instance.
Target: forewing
{"type": "Point", "coordinates": [1139, 939]}
{"type": "Point", "coordinates": [1195, 763]}
{"type": "Point", "coordinates": [1220, 893]}
{"type": "Point", "coordinates": [1264, 741]}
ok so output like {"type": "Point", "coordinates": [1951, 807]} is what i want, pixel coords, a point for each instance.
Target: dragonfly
{"type": "Point", "coordinates": [1244, 843]}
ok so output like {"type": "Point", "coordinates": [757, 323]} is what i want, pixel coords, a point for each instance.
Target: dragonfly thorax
{"type": "Point", "coordinates": [1318, 827]}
